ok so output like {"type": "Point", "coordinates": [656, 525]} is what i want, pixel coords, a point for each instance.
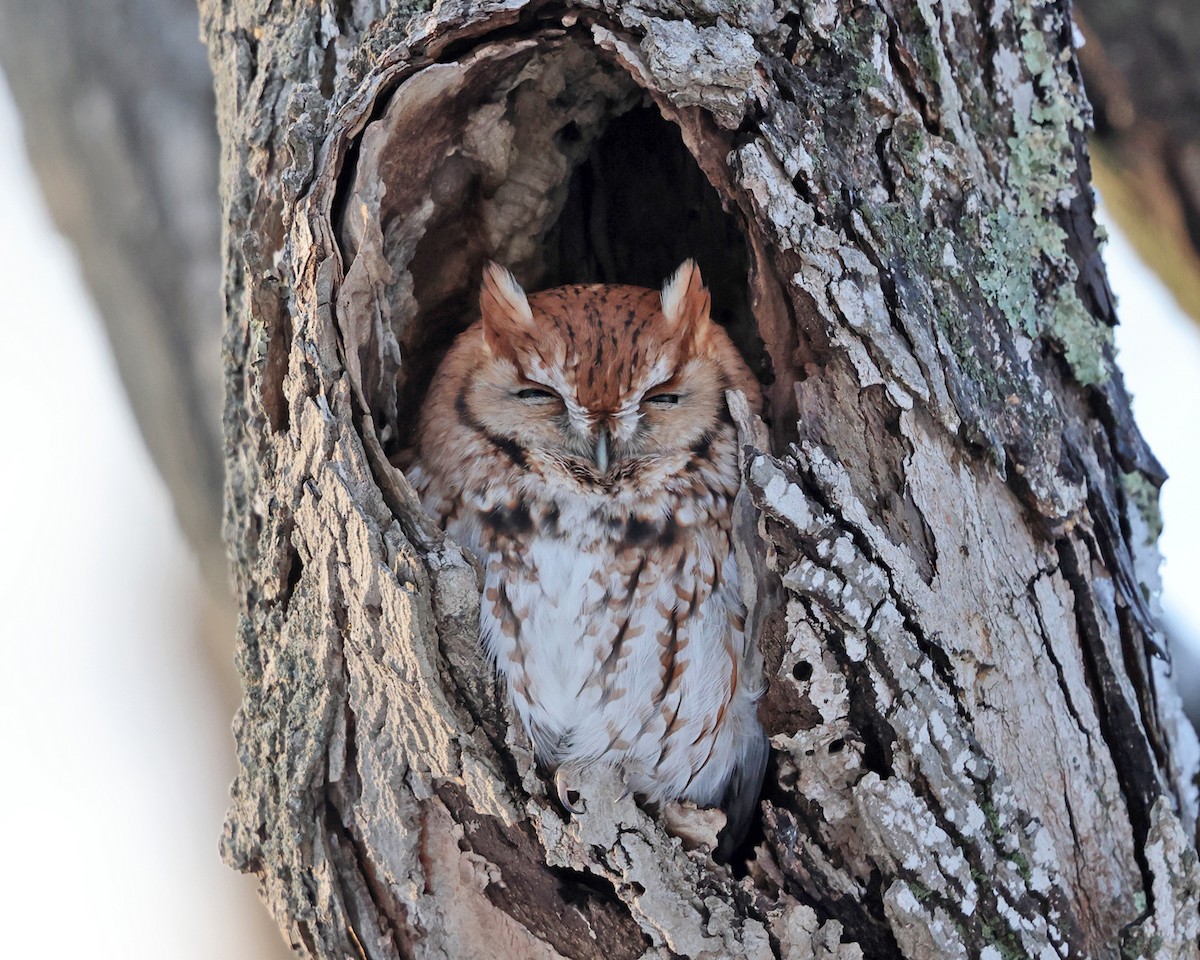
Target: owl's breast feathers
{"type": "Point", "coordinates": [616, 619]}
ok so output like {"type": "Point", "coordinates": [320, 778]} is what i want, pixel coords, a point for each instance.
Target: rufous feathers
{"type": "Point", "coordinates": [503, 309]}
{"type": "Point", "coordinates": [686, 305]}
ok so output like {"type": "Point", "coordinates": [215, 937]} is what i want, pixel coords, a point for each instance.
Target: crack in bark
{"type": "Point", "coordinates": [391, 918]}
{"type": "Point", "coordinates": [910, 618]}
{"type": "Point", "coordinates": [908, 73]}
{"type": "Point", "coordinates": [1048, 648]}
{"type": "Point", "coordinates": [1139, 781]}
{"type": "Point", "coordinates": [599, 924]}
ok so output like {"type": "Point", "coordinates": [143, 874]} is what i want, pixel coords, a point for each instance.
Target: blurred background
{"type": "Point", "coordinates": [117, 620]}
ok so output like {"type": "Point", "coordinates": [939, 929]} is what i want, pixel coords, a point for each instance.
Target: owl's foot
{"type": "Point", "coordinates": [564, 793]}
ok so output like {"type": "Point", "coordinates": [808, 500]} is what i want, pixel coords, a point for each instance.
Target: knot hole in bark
{"type": "Point", "coordinates": [542, 154]}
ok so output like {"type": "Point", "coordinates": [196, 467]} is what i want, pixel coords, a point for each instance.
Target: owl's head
{"type": "Point", "coordinates": [601, 376]}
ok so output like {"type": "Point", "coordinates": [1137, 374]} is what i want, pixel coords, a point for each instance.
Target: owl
{"type": "Point", "coordinates": [578, 441]}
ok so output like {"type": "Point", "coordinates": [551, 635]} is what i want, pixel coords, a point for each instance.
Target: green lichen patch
{"type": "Point", "coordinates": [1030, 275]}
{"type": "Point", "coordinates": [1007, 275]}
{"type": "Point", "coordinates": [1086, 342]}
{"type": "Point", "coordinates": [1144, 496]}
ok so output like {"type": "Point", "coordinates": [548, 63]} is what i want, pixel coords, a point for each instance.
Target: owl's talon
{"type": "Point", "coordinates": [564, 793]}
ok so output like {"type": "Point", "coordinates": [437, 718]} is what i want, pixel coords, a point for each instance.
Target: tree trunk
{"type": "Point", "coordinates": [977, 751]}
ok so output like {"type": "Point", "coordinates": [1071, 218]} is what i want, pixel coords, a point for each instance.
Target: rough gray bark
{"type": "Point", "coordinates": [117, 102]}
{"type": "Point", "coordinates": [977, 753]}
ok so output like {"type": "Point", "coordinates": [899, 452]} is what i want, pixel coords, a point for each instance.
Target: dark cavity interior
{"type": "Point", "coordinates": [556, 166]}
{"type": "Point", "coordinates": [636, 207]}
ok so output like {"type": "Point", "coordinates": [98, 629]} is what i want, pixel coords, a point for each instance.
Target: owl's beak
{"type": "Point", "coordinates": [601, 455]}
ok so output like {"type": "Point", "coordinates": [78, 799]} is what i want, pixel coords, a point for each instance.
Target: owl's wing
{"type": "Point", "coordinates": [761, 594]}
{"type": "Point", "coordinates": [741, 795]}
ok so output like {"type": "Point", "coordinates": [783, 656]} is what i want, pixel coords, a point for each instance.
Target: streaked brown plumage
{"type": "Point", "coordinates": [579, 442]}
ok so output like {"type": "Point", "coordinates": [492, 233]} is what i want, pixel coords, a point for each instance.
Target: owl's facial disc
{"type": "Point", "coordinates": [599, 382]}
{"type": "Point", "coordinates": [524, 403]}
{"type": "Point", "coordinates": [657, 418]}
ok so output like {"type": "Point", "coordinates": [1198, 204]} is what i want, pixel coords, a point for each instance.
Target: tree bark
{"type": "Point", "coordinates": [977, 751]}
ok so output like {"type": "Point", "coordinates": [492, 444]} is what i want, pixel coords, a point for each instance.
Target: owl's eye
{"type": "Point", "coordinates": [664, 399]}
{"type": "Point", "coordinates": [536, 395]}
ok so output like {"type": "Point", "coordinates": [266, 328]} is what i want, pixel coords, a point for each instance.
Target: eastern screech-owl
{"type": "Point", "coordinates": [579, 442]}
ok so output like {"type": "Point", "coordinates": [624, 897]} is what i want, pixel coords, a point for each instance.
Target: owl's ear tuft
{"type": "Point", "coordinates": [686, 303]}
{"type": "Point", "coordinates": [503, 308]}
